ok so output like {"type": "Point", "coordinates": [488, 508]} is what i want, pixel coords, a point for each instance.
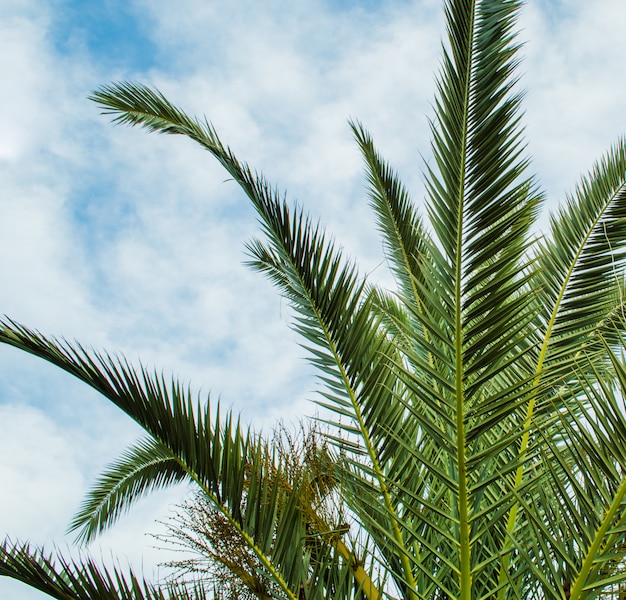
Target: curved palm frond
{"type": "Point", "coordinates": [583, 257]}
{"type": "Point", "coordinates": [333, 311]}
{"type": "Point", "coordinates": [578, 285]}
{"type": "Point", "coordinates": [237, 472]}
{"type": "Point", "coordinates": [83, 580]}
{"type": "Point", "coordinates": [143, 468]}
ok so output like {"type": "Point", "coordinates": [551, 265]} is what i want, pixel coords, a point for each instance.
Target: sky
{"type": "Point", "coordinates": [134, 243]}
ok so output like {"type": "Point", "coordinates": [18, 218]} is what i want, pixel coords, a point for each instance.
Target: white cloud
{"type": "Point", "coordinates": [35, 448]}
{"type": "Point", "coordinates": [574, 106]}
{"type": "Point", "coordinates": [22, 45]}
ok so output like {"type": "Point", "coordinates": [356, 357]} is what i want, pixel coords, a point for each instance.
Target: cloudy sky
{"type": "Point", "coordinates": [134, 242]}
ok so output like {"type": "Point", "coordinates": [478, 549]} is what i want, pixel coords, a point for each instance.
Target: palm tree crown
{"type": "Point", "coordinates": [474, 421]}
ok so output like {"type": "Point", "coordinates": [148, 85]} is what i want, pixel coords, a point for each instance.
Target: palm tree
{"type": "Point", "coordinates": [474, 417]}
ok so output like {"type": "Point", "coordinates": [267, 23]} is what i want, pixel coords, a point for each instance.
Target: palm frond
{"type": "Point", "coordinates": [141, 469]}
{"type": "Point", "coordinates": [216, 455]}
{"type": "Point", "coordinates": [64, 579]}
{"type": "Point", "coordinates": [333, 312]}
{"type": "Point", "coordinates": [406, 241]}
{"type": "Point", "coordinates": [579, 289]}
{"type": "Point", "coordinates": [584, 256]}
{"type": "Point", "coordinates": [238, 472]}
{"type": "Point", "coordinates": [481, 205]}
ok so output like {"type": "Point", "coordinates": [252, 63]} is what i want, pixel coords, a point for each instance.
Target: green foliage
{"type": "Point", "coordinates": [78, 581]}
{"type": "Point", "coordinates": [475, 414]}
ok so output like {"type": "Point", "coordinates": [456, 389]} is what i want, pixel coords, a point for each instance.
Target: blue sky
{"type": "Point", "coordinates": [134, 243]}
{"type": "Point", "coordinates": [111, 32]}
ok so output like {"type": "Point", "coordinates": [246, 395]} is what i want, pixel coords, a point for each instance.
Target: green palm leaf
{"type": "Point", "coordinates": [143, 468]}
{"type": "Point", "coordinates": [406, 241]}
{"type": "Point", "coordinates": [239, 474]}
{"type": "Point", "coordinates": [82, 580]}
{"type": "Point", "coordinates": [583, 256]}
{"type": "Point", "coordinates": [333, 311]}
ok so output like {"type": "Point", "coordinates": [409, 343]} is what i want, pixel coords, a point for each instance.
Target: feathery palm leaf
{"type": "Point", "coordinates": [82, 580]}
{"type": "Point", "coordinates": [238, 473]}
{"type": "Point", "coordinates": [143, 468]}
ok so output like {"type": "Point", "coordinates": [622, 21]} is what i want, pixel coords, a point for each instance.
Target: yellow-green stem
{"type": "Point", "coordinates": [578, 592]}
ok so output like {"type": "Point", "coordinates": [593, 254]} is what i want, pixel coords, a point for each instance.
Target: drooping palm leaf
{"type": "Point", "coordinates": [333, 313]}
{"type": "Point", "coordinates": [143, 468]}
{"type": "Point", "coordinates": [578, 284]}
{"type": "Point", "coordinates": [64, 579]}
{"type": "Point", "coordinates": [237, 472]}
{"type": "Point", "coordinates": [584, 256]}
